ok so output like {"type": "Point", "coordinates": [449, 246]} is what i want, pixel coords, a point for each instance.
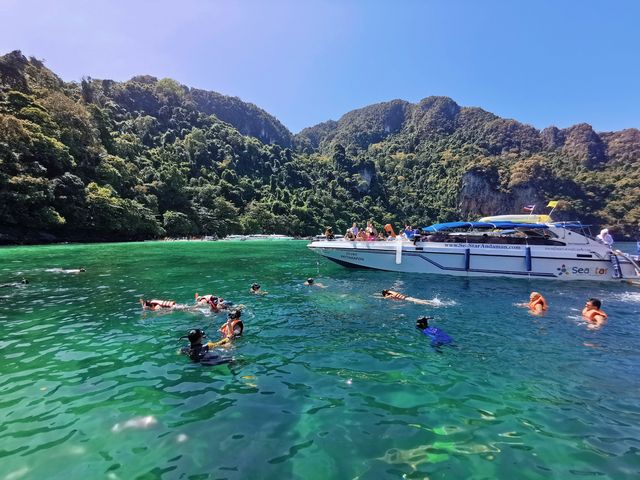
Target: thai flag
{"type": "Point", "coordinates": [528, 208]}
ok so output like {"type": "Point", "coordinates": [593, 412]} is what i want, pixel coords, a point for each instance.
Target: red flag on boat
{"type": "Point", "coordinates": [528, 208]}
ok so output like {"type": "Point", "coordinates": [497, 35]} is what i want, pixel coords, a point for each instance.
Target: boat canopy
{"type": "Point", "coordinates": [441, 227]}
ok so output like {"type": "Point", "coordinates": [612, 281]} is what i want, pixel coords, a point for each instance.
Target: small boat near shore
{"type": "Point", "coordinates": [499, 246]}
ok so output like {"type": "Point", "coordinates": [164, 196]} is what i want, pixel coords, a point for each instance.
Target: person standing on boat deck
{"type": "Point", "coordinates": [605, 237]}
{"type": "Point", "coordinates": [355, 229]}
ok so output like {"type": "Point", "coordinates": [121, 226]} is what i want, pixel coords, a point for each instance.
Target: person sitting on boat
{"type": "Point", "coordinates": [354, 229]}
{"type": "Point", "coordinates": [156, 304]}
{"type": "Point", "coordinates": [605, 237]}
{"type": "Point", "coordinates": [200, 353]}
{"type": "Point", "coordinates": [362, 236]}
{"type": "Point", "coordinates": [349, 235]}
{"type": "Point", "coordinates": [390, 294]}
{"type": "Point", "coordinates": [592, 312]}
{"type": "Point", "coordinates": [537, 303]}
{"type": "Point", "coordinates": [234, 326]}
{"type": "Point", "coordinates": [255, 289]}
{"type": "Point", "coordinates": [437, 336]}
{"type": "Point", "coordinates": [328, 233]}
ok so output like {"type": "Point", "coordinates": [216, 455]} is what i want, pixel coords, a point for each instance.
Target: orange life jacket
{"type": "Point", "coordinates": [396, 295]}
{"type": "Point", "coordinates": [230, 331]}
{"type": "Point", "coordinates": [539, 300]}
{"type": "Point", "coordinates": [162, 303]}
{"type": "Point", "coordinates": [590, 314]}
{"type": "Point", "coordinates": [389, 229]}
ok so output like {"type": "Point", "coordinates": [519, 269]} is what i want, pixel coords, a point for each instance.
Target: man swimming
{"type": "Point", "coordinates": [155, 304]}
{"type": "Point", "coordinates": [234, 327]}
{"type": "Point", "coordinates": [255, 290]}
{"type": "Point", "coordinates": [200, 353]}
{"type": "Point", "coordinates": [593, 313]}
{"type": "Point", "coordinates": [390, 294]}
{"type": "Point", "coordinates": [312, 283]}
{"type": "Point", "coordinates": [215, 303]}
{"type": "Point", "coordinates": [437, 336]}
{"type": "Point", "coordinates": [21, 283]}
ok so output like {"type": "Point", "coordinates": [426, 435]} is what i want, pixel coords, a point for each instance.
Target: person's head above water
{"type": "Point", "coordinates": [534, 295]}
{"type": "Point", "coordinates": [423, 322]}
{"type": "Point", "coordinates": [82, 269]}
{"type": "Point", "coordinates": [255, 286]}
{"type": "Point", "coordinates": [385, 293]}
{"type": "Point", "coordinates": [195, 335]}
{"type": "Point", "coordinates": [310, 281]}
{"type": "Point", "coordinates": [235, 314]}
{"type": "Point", "coordinates": [24, 281]}
{"type": "Point", "coordinates": [594, 302]}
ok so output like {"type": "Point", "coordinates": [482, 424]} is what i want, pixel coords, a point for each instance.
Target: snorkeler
{"type": "Point", "coordinates": [437, 336]}
{"type": "Point", "coordinates": [155, 304]}
{"type": "Point", "coordinates": [255, 290]}
{"type": "Point", "coordinates": [200, 353]}
{"type": "Point", "coordinates": [21, 283]}
{"type": "Point", "coordinates": [215, 303]}
{"type": "Point", "coordinates": [592, 312]}
{"type": "Point", "coordinates": [312, 283]}
{"type": "Point", "coordinates": [234, 327]}
{"type": "Point", "coordinates": [390, 294]}
{"type": "Point", "coordinates": [537, 304]}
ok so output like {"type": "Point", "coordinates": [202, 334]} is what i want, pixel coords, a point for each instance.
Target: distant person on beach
{"type": "Point", "coordinates": [437, 336]}
{"type": "Point", "coordinates": [312, 283]}
{"type": "Point", "coordinates": [155, 304]}
{"type": "Point", "coordinates": [537, 303]}
{"type": "Point", "coordinates": [21, 283]}
{"type": "Point", "coordinates": [593, 313]}
{"type": "Point", "coordinates": [255, 290]}
{"type": "Point", "coordinates": [200, 353]}
{"type": "Point", "coordinates": [605, 237]}
{"type": "Point", "coordinates": [391, 295]}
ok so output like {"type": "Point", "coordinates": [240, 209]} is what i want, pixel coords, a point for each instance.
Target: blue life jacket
{"type": "Point", "coordinates": [437, 336]}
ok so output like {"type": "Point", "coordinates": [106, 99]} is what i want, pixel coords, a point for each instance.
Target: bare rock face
{"type": "Point", "coordinates": [585, 145]}
{"type": "Point", "coordinates": [479, 198]}
{"type": "Point", "coordinates": [623, 146]}
{"type": "Point", "coordinates": [552, 138]}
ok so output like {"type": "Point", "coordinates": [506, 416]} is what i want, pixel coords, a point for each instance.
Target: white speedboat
{"type": "Point", "coordinates": [501, 246]}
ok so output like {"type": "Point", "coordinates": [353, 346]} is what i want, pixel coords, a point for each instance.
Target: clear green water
{"type": "Point", "coordinates": [326, 383]}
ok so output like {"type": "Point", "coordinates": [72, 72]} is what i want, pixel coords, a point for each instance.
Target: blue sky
{"type": "Point", "coordinates": [541, 62]}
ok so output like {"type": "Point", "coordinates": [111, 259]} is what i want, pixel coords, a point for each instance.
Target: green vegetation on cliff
{"type": "Point", "coordinates": [148, 157]}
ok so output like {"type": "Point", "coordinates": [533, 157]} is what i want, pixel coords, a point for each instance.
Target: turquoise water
{"type": "Point", "coordinates": [326, 383]}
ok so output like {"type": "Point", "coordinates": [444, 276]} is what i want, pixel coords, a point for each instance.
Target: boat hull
{"type": "Point", "coordinates": [478, 260]}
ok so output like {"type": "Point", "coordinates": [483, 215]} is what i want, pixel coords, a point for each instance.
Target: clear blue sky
{"type": "Point", "coordinates": [543, 62]}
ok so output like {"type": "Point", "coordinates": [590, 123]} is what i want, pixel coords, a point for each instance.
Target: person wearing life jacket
{"type": "Point", "coordinates": [234, 326]}
{"type": "Point", "coordinates": [215, 303]}
{"type": "Point", "coordinates": [255, 289]}
{"type": "Point", "coordinates": [592, 312]}
{"type": "Point", "coordinates": [201, 353]}
{"type": "Point", "coordinates": [437, 336]}
{"type": "Point", "coordinates": [390, 294]}
{"type": "Point", "coordinates": [537, 303]}
{"type": "Point", "coordinates": [389, 229]}
{"type": "Point", "coordinates": [155, 304]}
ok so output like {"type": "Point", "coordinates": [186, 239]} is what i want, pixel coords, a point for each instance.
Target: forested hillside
{"type": "Point", "coordinates": [145, 158]}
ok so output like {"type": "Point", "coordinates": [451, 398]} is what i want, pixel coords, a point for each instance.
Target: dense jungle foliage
{"type": "Point", "coordinates": [105, 160]}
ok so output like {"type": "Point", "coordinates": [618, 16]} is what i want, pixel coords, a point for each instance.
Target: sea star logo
{"type": "Point", "coordinates": [562, 270]}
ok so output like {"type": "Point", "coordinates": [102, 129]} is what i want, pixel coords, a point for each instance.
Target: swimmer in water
{"type": "Point", "coordinates": [437, 336]}
{"type": "Point", "coordinates": [312, 283]}
{"type": "Point", "coordinates": [200, 353]}
{"type": "Point", "coordinates": [155, 304]}
{"type": "Point", "coordinates": [537, 304]}
{"type": "Point", "coordinates": [234, 326]}
{"type": "Point", "coordinates": [21, 283]}
{"type": "Point", "coordinates": [255, 290]}
{"type": "Point", "coordinates": [215, 303]}
{"type": "Point", "coordinates": [62, 270]}
{"type": "Point", "coordinates": [593, 313]}
{"type": "Point", "coordinates": [390, 294]}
